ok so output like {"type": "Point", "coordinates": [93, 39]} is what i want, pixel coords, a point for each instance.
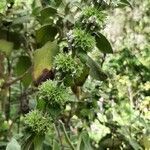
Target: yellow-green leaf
{"type": "Point", "coordinates": [43, 58]}
{"type": "Point", "coordinates": [6, 47]}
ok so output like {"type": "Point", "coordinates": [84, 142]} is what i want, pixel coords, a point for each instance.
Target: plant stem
{"type": "Point", "coordinates": [9, 83]}
{"type": "Point", "coordinates": [66, 136]}
{"type": "Point", "coordinates": [59, 136]}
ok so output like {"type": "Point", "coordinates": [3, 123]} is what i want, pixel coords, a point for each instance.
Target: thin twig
{"type": "Point", "coordinates": [59, 136]}
{"type": "Point", "coordinates": [9, 83]}
{"type": "Point", "coordinates": [66, 136]}
{"type": "Point", "coordinates": [103, 59]}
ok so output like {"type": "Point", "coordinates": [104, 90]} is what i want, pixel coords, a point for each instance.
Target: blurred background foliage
{"type": "Point", "coordinates": [110, 109]}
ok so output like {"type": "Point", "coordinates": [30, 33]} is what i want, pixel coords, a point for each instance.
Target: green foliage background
{"type": "Point", "coordinates": [74, 75]}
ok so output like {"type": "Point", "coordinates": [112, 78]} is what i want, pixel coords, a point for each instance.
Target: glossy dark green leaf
{"type": "Point", "coordinates": [45, 33]}
{"type": "Point", "coordinates": [48, 12]}
{"type": "Point", "coordinates": [102, 43]}
{"type": "Point", "coordinates": [82, 78]}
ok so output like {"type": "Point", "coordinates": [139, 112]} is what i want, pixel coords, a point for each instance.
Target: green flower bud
{"type": "Point", "coordinates": [53, 94]}
{"type": "Point", "coordinates": [68, 65]}
{"type": "Point", "coordinates": [37, 122]}
{"type": "Point", "coordinates": [94, 15]}
{"type": "Point", "coordinates": [83, 40]}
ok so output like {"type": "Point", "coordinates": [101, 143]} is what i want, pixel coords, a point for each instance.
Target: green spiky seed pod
{"type": "Point", "coordinates": [93, 15]}
{"type": "Point", "coordinates": [83, 40]}
{"type": "Point", "coordinates": [53, 94]}
{"type": "Point", "coordinates": [67, 65]}
{"type": "Point", "coordinates": [37, 122]}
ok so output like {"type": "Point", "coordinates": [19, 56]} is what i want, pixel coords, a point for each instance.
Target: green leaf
{"type": "Point", "coordinates": [83, 56]}
{"type": "Point", "coordinates": [23, 64]}
{"type": "Point", "coordinates": [36, 3]}
{"type": "Point", "coordinates": [45, 33]}
{"type": "Point", "coordinates": [95, 70]}
{"type": "Point", "coordinates": [43, 58]}
{"type": "Point", "coordinates": [48, 12]}
{"type": "Point", "coordinates": [125, 3]}
{"type": "Point", "coordinates": [15, 37]}
{"type": "Point", "coordinates": [36, 11]}
{"type": "Point", "coordinates": [6, 47]}
{"type": "Point", "coordinates": [102, 43]}
{"type": "Point", "coordinates": [81, 80]}
{"type": "Point", "coordinates": [84, 142]}
{"type": "Point", "coordinates": [13, 145]}
{"type": "Point", "coordinates": [109, 142]}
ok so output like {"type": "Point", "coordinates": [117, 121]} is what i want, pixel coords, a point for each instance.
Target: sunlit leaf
{"type": "Point", "coordinates": [43, 58]}
{"type": "Point", "coordinates": [146, 141]}
{"type": "Point", "coordinates": [6, 47]}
